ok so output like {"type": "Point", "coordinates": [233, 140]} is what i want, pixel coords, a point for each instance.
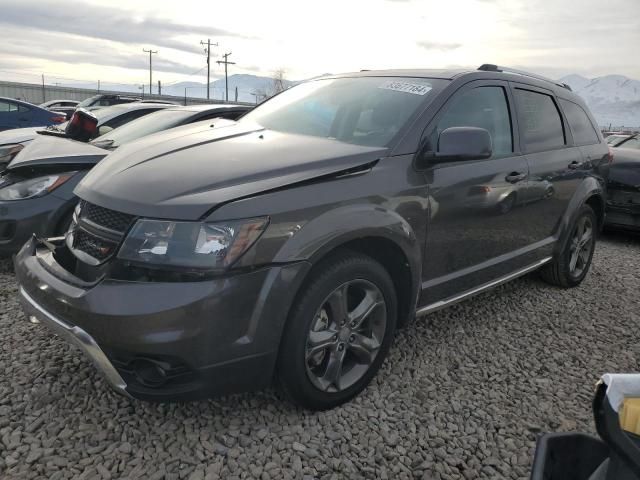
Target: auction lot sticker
{"type": "Point", "coordinates": [406, 87]}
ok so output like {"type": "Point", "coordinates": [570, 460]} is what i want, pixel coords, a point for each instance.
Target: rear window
{"type": "Point", "coordinates": [540, 121]}
{"type": "Point", "coordinates": [581, 127]}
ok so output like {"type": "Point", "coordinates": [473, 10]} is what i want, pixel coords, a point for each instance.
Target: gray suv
{"type": "Point", "coordinates": [289, 246]}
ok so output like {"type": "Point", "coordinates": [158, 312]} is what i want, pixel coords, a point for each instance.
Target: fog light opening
{"type": "Point", "coordinates": [149, 372]}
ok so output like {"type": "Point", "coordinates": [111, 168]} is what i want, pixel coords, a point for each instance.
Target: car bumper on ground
{"type": "Point", "coordinates": [20, 219]}
{"type": "Point", "coordinates": [166, 341]}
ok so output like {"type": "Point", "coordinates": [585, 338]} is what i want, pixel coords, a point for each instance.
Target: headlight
{"type": "Point", "coordinates": [34, 187]}
{"type": "Point", "coordinates": [7, 152]}
{"type": "Point", "coordinates": [211, 246]}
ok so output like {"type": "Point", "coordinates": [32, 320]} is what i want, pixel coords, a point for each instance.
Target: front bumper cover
{"type": "Point", "coordinates": [217, 336]}
{"type": "Point", "coordinates": [77, 336]}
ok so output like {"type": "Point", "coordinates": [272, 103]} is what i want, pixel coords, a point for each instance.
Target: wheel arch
{"type": "Point", "coordinates": [381, 234]}
{"type": "Point", "coordinates": [589, 192]}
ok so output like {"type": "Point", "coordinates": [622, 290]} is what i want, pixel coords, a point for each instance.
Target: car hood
{"type": "Point", "coordinates": [184, 174]}
{"type": "Point", "coordinates": [18, 135]}
{"type": "Point", "coordinates": [50, 150]}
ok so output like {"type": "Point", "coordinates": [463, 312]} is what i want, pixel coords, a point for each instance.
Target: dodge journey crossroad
{"type": "Point", "coordinates": [287, 247]}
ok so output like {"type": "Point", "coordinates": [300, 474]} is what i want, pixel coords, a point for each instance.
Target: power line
{"type": "Point", "coordinates": [208, 51]}
{"type": "Point", "coordinates": [150, 52]}
{"type": "Point", "coordinates": [226, 78]}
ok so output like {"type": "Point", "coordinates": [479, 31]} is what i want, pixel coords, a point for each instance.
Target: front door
{"type": "Point", "coordinates": [478, 227]}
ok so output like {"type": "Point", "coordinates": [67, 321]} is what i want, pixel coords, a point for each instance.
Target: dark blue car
{"type": "Point", "coordinates": [19, 114]}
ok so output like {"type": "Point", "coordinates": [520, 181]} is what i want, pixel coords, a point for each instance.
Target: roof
{"type": "Point", "coordinates": [445, 74]}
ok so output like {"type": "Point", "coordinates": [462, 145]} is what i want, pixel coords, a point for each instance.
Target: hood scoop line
{"type": "Point", "coordinates": [194, 145]}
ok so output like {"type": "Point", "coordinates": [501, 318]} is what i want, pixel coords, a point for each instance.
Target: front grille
{"type": "Point", "coordinates": [97, 233]}
{"type": "Point", "coordinates": [92, 245]}
{"type": "Point", "coordinates": [116, 221]}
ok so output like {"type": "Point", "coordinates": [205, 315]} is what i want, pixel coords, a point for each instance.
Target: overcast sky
{"type": "Point", "coordinates": [100, 39]}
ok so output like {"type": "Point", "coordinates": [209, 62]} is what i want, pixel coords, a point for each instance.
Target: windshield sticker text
{"type": "Point", "coordinates": [414, 88]}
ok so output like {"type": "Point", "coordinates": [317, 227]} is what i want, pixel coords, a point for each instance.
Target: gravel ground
{"type": "Point", "coordinates": [464, 394]}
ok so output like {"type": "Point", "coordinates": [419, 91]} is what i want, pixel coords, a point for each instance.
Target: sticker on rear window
{"type": "Point", "coordinates": [406, 87]}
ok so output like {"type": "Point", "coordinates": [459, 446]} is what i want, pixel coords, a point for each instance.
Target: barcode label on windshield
{"type": "Point", "coordinates": [406, 87]}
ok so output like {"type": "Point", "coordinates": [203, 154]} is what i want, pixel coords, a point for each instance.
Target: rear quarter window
{"type": "Point", "coordinates": [540, 121]}
{"type": "Point", "coordinates": [581, 127]}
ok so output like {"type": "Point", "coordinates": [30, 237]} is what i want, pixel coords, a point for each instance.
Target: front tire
{"type": "Point", "coordinates": [339, 332]}
{"type": "Point", "coordinates": [572, 264]}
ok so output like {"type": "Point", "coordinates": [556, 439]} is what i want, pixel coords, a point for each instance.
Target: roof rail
{"type": "Point", "coordinates": [489, 67]}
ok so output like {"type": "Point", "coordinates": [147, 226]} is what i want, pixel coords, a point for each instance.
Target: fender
{"type": "Point", "coordinates": [588, 188]}
{"type": "Point", "coordinates": [352, 222]}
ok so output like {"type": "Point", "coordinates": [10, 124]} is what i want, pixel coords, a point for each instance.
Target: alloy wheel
{"type": "Point", "coordinates": [581, 247]}
{"type": "Point", "coordinates": [345, 336]}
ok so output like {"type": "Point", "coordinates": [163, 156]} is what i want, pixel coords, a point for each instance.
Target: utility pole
{"type": "Point", "coordinates": [141, 87]}
{"type": "Point", "coordinates": [150, 52]}
{"type": "Point", "coordinates": [98, 86]}
{"type": "Point", "coordinates": [43, 91]}
{"type": "Point", "coordinates": [207, 49]}
{"type": "Point", "coordinates": [159, 88]}
{"type": "Point", "coordinates": [236, 93]}
{"type": "Point", "coordinates": [226, 78]}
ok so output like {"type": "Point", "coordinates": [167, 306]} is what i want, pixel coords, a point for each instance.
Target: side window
{"type": "Point", "coordinates": [8, 107]}
{"type": "Point", "coordinates": [541, 122]}
{"type": "Point", "coordinates": [23, 109]}
{"type": "Point", "coordinates": [127, 117]}
{"type": "Point", "coordinates": [581, 127]}
{"type": "Point", "coordinates": [482, 107]}
{"type": "Point", "coordinates": [232, 115]}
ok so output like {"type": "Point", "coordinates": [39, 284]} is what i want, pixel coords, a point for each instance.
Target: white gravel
{"type": "Point", "coordinates": [464, 394]}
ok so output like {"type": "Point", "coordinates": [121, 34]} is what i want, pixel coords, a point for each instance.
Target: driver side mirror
{"type": "Point", "coordinates": [457, 144]}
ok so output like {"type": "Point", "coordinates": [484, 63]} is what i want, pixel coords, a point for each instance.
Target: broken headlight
{"type": "Point", "coordinates": [210, 246]}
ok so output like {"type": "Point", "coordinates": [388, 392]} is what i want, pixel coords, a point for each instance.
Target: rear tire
{"type": "Point", "coordinates": [338, 333]}
{"type": "Point", "coordinates": [572, 264]}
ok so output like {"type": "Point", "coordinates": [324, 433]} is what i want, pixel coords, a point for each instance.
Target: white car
{"type": "Point", "coordinates": [12, 141]}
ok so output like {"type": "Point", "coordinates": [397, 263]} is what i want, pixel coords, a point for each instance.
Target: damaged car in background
{"type": "Point", "coordinates": [623, 189]}
{"type": "Point", "coordinates": [36, 190]}
{"type": "Point", "coordinates": [82, 126]}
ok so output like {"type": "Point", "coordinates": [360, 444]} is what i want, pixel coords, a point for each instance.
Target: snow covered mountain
{"type": "Point", "coordinates": [613, 99]}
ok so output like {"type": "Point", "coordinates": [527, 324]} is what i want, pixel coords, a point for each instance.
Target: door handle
{"type": "Point", "coordinates": [515, 177]}
{"type": "Point", "coordinates": [575, 165]}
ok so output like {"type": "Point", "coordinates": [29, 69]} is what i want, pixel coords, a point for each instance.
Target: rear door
{"type": "Point", "coordinates": [554, 162]}
{"type": "Point", "coordinates": [478, 226]}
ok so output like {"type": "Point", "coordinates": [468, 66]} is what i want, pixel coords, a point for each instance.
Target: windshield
{"type": "Point", "coordinates": [362, 110]}
{"type": "Point", "coordinates": [152, 123]}
{"type": "Point", "coordinates": [88, 101]}
{"type": "Point", "coordinates": [629, 142]}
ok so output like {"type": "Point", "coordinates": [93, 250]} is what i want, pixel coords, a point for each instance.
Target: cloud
{"type": "Point", "coordinates": [444, 47]}
{"type": "Point", "coordinates": [73, 50]}
{"type": "Point", "coordinates": [106, 23]}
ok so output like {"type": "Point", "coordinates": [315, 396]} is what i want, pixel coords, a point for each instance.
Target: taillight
{"type": "Point", "coordinates": [610, 156]}
{"type": "Point", "coordinates": [59, 119]}
{"type": "Point", "coordinates": [83, 126]}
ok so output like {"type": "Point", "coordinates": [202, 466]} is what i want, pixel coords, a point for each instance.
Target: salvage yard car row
{"type": "Point", "coordinates": [288, 246]}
